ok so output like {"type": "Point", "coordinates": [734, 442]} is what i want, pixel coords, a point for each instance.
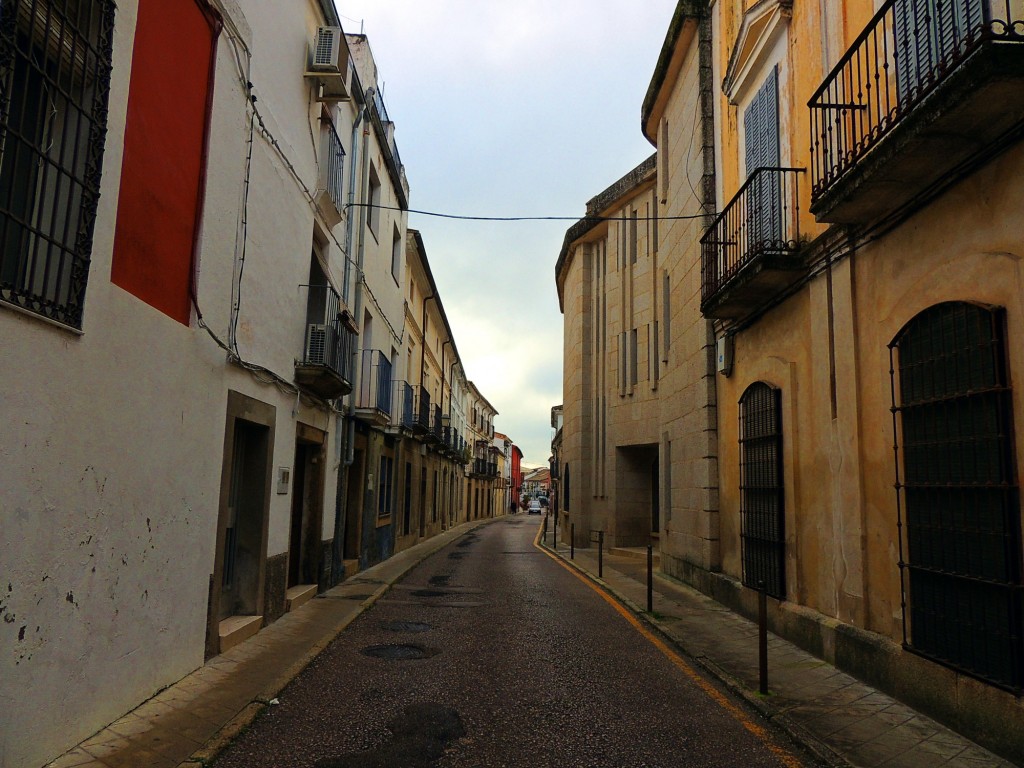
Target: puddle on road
{"type": "Point", "coordinates": [399, 652]}
{"type": "Point", "coordinates": [420, 737]}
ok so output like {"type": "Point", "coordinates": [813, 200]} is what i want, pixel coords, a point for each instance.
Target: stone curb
{"type": "Point", "coordinates": [223, 738]}
{"type": "Point", "coordinates": [818, 749]}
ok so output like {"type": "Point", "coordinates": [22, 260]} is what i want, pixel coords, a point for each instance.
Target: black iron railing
{"type": "Point", "coordinates": [329, 342]}
{"type": "Point", "coordinates": [382, 115]}
{"type": "Point", "coordinates": [435, 423]}
{"type": "Point", "coordinates": [422, 415]}
{"type": "Point", "coordinates": [332, 165]}
{"type": "Point", "coordinates": [762, 219]}
{"type": "Point", "coordinates": [375, 389]}
{"type": "Point", "coordinates": [907, 49]}
{"type": "Point", "coordinates": [404, 399]}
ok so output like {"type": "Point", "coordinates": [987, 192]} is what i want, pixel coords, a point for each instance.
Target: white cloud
{"type": "Point", "coordinates": [509, 109]}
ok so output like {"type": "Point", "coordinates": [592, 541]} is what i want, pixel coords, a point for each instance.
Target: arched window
{"type": "Point", "coordinates": [762, 497]}
{"type": "Point", "coordinates": [957, 498]}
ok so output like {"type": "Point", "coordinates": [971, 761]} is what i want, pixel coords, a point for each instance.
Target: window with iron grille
{"type": "Point", "coordinates": [762, 497]}
{"type": "Point", "coordinates": [958, 502]}
{"type": "Point", "coordinates": [54, 83]}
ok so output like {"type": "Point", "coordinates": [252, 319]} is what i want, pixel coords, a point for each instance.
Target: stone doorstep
{"type": "Point", "coordinates": [234, 629]}
{"type": "Point", "coordinates": [351, 568]}
{"type": "Point", "coordinates": [298, 596]}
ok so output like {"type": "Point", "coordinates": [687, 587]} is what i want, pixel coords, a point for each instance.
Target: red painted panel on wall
{"type": "Point", "coordinates": [162, 178]}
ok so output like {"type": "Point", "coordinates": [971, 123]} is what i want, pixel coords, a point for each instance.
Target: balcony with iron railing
{"type": "Point", "coordinates": [928, 91]}
{"type": "Point", "coordinates": [751, 252]}
{"type": "Point", "coordinates": [325, 368]}
{"type": "Point", "coordinates": [404, 415]}
{"type": "Point", "coordinates": [421, 411]}
{"type": "Point", "coordinates": [376, 389]}
{"type": "Point", "coordinates": [330, 197]}
{"type": "Point", "coordinates": [436, 425]}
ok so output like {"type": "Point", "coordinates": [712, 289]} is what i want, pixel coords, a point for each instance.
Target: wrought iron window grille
{"type": "Point", "coordinates": [958, 503]}
{"type": "Point", "coordinates": [762, 495]}
{"type": "Point", "coordinates": [55, 63]}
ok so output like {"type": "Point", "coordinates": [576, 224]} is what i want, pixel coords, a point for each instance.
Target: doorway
{"type": "Point", "coordinates": [354, 506]}
{"type": "Point", "coordinates": [236, 584]}
{"type": "Point", "coordinates": [304, 546]}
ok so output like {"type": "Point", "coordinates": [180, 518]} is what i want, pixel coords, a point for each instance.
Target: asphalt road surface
{"type": "Point", "coordinates": [491, 653]}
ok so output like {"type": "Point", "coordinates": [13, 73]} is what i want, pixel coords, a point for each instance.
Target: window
{"type": "Point", "coordinates": [373, 215]}
{"type": "Point", "coordinates": [762, 507]}
{"type": "Point", "coordinates": [632, 237]}
{"type": "Point", "coordinates": [54, 83]}
{"type": "Point", "coordinates": [566, 489]}
{"type": "Point", "coordinates": [384, 488]}
{"type": "Point", "coordinates": [666, 311]}
{"type": "Point", "coordinates": [762, 142]}
{"type": "Point", "coordinates": [929, 35]}
{"type": "Point", "coordinates": [633, 358]}
{"type": "Point", "coordinates": [958, 495]}
{"type": "Point", "coordinates": [396, 254]}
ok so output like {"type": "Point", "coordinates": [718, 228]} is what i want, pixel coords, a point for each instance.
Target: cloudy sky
{"type": "Point", "coordinates": [525, 108]}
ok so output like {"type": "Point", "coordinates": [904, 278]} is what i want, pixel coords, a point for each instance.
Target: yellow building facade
{"type": "Point", "coordinates": [835, 415]}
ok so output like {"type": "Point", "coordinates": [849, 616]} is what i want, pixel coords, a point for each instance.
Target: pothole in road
{"type": "Point", "coordinates": [420, 737]}
{"type": "Point", "coordinates": [406, 626]}
{"type": "Point", "coordinates": [398, 652]}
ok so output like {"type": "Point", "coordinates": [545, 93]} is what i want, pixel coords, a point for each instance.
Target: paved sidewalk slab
{"type": "Point", "coordinates": [842, 720]}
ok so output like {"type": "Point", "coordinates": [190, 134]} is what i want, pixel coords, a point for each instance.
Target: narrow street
{"type": "Point", "coordinates": [489, 653]}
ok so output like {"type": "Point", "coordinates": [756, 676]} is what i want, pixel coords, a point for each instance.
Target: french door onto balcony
{"type": "Point", "coordinates": [761, 136]}
{"type": "Point", "coordinates": [929, 36]}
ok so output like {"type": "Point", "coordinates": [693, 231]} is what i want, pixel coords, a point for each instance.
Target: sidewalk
{"type": "Point", "coordinates": [190, 722]}
{"type": "Point", "coordinates": [838, 718]}
{"type": "Point", "coordinates": [843, 721]}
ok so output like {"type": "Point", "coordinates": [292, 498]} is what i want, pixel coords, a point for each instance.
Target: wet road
{"type": "Point", "coordinates": [490, 653]}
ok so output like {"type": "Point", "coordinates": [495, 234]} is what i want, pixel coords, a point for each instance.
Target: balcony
{"type": "Point", "coordinates": [436, 432]}
{"type": "Point", "coordinates": [405, 398]}
{"type": "Point", "coordinates": [325, 368]}
{"type": "Point", "coordinates": [929, 90]}
{"type": "Point", "coordinates": [419, 421]}
{"type": "Point", "coordinates": [374, 403]}
{"type": "Point", "coordinates": [330, 196]}
{"type": "Point", "coordinates": [752, 250]}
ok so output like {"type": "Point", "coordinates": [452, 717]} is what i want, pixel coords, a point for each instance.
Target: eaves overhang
{"type": "Point", "coordinates": [682, 31]}
{"type": "Point", "coordinates": [597, 207]}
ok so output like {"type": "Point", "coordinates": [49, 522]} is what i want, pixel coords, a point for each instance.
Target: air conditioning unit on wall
{"type": "Point", "coordinates": [329, 64]}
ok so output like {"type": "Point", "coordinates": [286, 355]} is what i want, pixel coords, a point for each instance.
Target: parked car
{"type": "Point", "coordinates": [535, 507]}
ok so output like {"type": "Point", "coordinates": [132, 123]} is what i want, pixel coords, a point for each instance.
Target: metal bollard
{"type": "Point", "coordinates": [572, 541]}
{"type": "Point", "coordinates": [650, 579]}
{"type": "Point", "coordinates": [545, 530]}
{"type": "Point", "coordinates": [762, 638]}
{"type": "Point", "coordinates": [600, 554]}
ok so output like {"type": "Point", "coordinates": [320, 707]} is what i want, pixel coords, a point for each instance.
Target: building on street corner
{"type": "Point", "coordinates": [802, 379]}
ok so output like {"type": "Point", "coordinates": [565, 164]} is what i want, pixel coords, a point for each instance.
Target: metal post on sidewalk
{"type": "Point", "coordinates": [650, 579]}
{"type": "Point", "coordinates": [600, 554]}
{"type": "Point", "coordinates": [554, 531]}
{"type": "Point", "coordinates": [572, 541]}
{"type": "Point", "coordinates": [545, 529]}
{"type": "Point", "coordinates": [762, 638]}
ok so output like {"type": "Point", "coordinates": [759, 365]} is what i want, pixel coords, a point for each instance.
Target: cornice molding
{"type": "Point", "coordinates": [762, 25]}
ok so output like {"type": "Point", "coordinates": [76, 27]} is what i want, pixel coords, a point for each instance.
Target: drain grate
{"type": "Point", "coordinates": [406, 626]}
{"type": "Point", "coordinates": [398, 652]}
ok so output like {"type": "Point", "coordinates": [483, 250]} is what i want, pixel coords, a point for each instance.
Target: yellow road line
{"type": "Point", "coordinates": [787, 759]}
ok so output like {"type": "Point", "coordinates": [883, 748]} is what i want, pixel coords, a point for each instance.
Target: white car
{"type": "Point", "coordinates": [535, 507]}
